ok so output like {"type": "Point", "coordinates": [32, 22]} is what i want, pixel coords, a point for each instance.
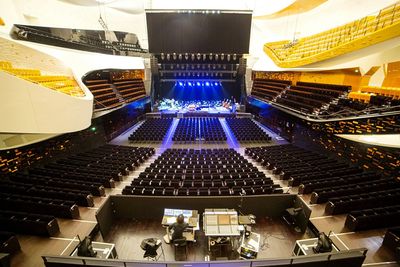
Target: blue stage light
{"type": "Point", "coordinates": [190, 84]}
{"type": "Point", "coordinates": [198, 83]}
{"type": "Point", "coordinates": [215, 83]}
{"type": "Point", "coordinates": [180, 83]}
{"type": "Point", "coordinates": [207, 84]}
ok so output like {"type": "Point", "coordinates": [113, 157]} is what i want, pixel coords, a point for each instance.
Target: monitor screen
{"type": "Point", "coordinates": [200, 32]}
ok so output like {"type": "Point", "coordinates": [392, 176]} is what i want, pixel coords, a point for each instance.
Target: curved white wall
{"type": "Point", "coordinates": [30, 108]}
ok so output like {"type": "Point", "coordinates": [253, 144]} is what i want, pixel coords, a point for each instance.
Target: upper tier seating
{"type": "Point", "coordinates": [350, 37]}
{"type": "Point", "coordinates": [366, 93]}
{"type": "Point", "coordinates": [209, 172]}
{"type": "Point", "coordinates": [305, 97]}
{"type": "Point", "coordinates": [151, 130]}
{"type": "Point", "coordinates": [196, 129]}
{"type": "Point", "coordinates": [60, 83]}
{"type": "Point", "coordinates": [246, 130]}
{"type": "Point", "coordinates": [269, 89]}
{"type": "Point", "coordinates": [346, 189]}
{"type": "Point", "coordinates": [57, 188]}
{"type": "Point", "coordinates": [130, 90]}
{"type": "Point", "coordinates": [106, 93]}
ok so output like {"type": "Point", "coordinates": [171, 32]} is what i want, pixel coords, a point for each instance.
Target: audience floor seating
{"type": "Point", "coordinates": [30, 200]}
{"type": "Point", "coordinates": [208, 172]}
{"type": "Point", "coordinates": [153, 130]}
{"type": "Point", "coordinates": [346, 188]}
{"type": "Point", "coordinates": [246, 130]}
{"type": "Point", "coordinates": [199, 129]}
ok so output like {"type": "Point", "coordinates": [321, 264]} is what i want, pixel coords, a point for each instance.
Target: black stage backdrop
{"type": "Point", "coordinates": [198, 32]}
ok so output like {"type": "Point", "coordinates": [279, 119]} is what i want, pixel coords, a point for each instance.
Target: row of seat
{"type": "Point", "coordinates": [28, 223]}
{"type": "Point", "coordinates": [9, 243]}
{"type": "Point", "coordinates": [336, 41]}
{"type": "Point", "coordinates": [105, 92]}
{"type": "Point", "coordinates": [269, 89]}
{"type": "Point", "coordinates": [196, 129]}
{"type": "Point", "coordinates": [39, 205]}
{"type": "Point", "coordinates": [60, 83]}
{"type": "Point", "coordinates": [367, 219]}
{"type": "Point", "coordinates": [56, 189]}
{"type": "Point", "coordinates": [202, 191]}
{"type": "Point", "coordinates": [246, 130]}
{"type": "Point", "coordinates": [153, 129]}
{"type": "Point", "coordinates": [345, 188]}
{"type": "Point", "coordinates": [348, 203]}
{"type": "Point", "coordinates": [183, 171]}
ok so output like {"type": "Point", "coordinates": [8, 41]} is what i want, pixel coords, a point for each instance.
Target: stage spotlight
{"type": "Point", "coordinates": [207, 84]}
{"type": "Point", "coordinates": [202, 84]}
{"type": "Point", "coordinates": [234, 56]}
{"type": "Point", "coordinates": [168, 56]}
{"type": "Point", "coordinates": [189, 83]}
{"type": "Point", "coordinates": [162, 56]}
{"type": "Point", "coordinates": [174, 56]}
{"type": "Point", "coordinates": [180, 83]}
{"type": "Point", "coordinates": [198, 56]}
{"type": "Point", "coordinates": [204, 57]}
{"type": "Point", "coordinates": [220, 84]}
{"type": "Point", "coordinates": [216, 57]}
{"type": "Point", "coordinates": [222, 56]}
{"type": "Point", "coordinates": [186, 56]}
{"type": "Point", "coordinates": [228, 57]}
{"type": "Point", "coordinates": [180, 56]}
{"type": "Point", "coordinates": [216, 84]}
{"type": "Point", "coordinates": [192, 56]}
{"type": "Point", "coordinates": [198, 83]}
{"type": "Point", "coordinates": [210, 56]}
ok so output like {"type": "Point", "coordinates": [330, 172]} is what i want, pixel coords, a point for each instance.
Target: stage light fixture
{"type": "Point", "coordinates": [198, 56]}
{"type": "Point", "coordinates": [180, 56]}
{"type": "Point", "coordinates": [168, 56]}
{"type": "Point", "coordinates": [162, 56]}
{"type": "Point", "coordinates": [192, 56]}
{"type": "Point", "coordinates": [228, 57]}
{"type": "Point", "coordinates": [189, 83]}
{"type": "Point", "coordinates": [222, 56]}
{"type": "Point", "coordinates": [198, 83]}
{"type": "Point", "coordinates": [204, 57]}
{"type": "Point", "coordinates": [216, 84]}
{"type": "Point", "coordinates": [174, 56]}
{"type": "Point", "coordinates": [202, 84]}
{"type": "Point", "coordinates": [180, 84]}
{"type": "Point", "coordinates": [234, 56]}
{"type": "Point", "coordinates": [186, 56]}
{"type": "Point", "coordinates": [207, 84]}
{"type": "Point", "coordinates": [216, 57]}
{"type": "Point", "coordinates": [210, 56]}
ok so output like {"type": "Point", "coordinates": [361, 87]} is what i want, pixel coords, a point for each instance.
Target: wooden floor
{"type": "Point", "coordinates": [278, 239]}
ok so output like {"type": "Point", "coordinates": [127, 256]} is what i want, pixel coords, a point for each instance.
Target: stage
{"type": "Point", "coordinates": [201, 106]}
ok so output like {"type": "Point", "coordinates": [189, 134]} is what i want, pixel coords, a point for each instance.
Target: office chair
{"type": "Point", "coordinates": [180, 246]}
